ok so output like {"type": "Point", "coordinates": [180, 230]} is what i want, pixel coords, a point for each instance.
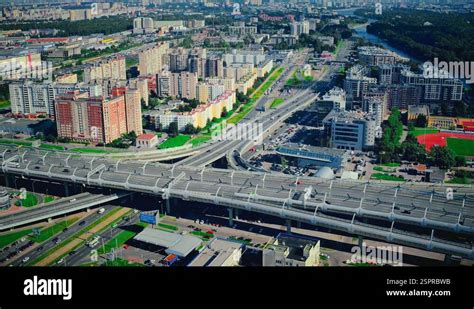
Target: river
{"type": "Point", "coordinates": [361, 31]}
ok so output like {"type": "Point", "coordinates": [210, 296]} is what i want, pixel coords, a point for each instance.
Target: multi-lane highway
{"type": "Point", "coordinates": [58, 238]}
{"type": "Point", "coordinates": [337, 204]}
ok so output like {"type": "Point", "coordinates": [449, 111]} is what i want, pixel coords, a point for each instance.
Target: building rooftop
{"type": "Point", "coordinates": [296, 246]}
{"type": "Point", "coordinates": [180, 245]}
{"type": "Point", "coordinates": [216, 253]}
{"type": "Point", "coordinates": [311, 149]}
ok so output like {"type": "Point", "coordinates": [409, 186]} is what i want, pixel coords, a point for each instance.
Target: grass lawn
{"type": "Point", "coordinates": [199, 140]}
{"type": "Point", "coordinates": [115, 242]}
{"type": "Point", "coordinates": [385, 170]}
{"type": "Point", "coordinates": [30, 200]}
{"type": "Point", "coordinates": [391, 164]}
{"type": "Point", "coordinates": [462, 147]}
{"type": "Point", "coordinates": [52, 230]}
{"type": "Point", "coordinates": [202, 234]}
{"type": "Point", "coordinates": [420, 131]}
{"type": "Point", "coordinates": [276, 102]}
{"type": "Point", "coordinates": [381, 176]}
{"type": "Point", "coordinates": [89, 150]}
{"type": "Point", "coordinates": [459, 180]}
{"type": "Point", "coordinates": [11, 237]}
{"type": "Point", "coordinates": [167, 226]}
{"type": "Point", "coordinates": [176, 141]}
{"type": "Point", "coordinates": [14, 142]}
{"type": "Point", "coordinates": [48, 198]}
{"type": "Point", "coordinates": [51, 147]}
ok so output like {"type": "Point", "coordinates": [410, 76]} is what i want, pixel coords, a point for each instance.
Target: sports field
{"type": "Point", "coordinates": [461, 144]}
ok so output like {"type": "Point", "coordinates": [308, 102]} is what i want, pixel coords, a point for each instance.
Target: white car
{"type": "Point", "coordinates": [60, 261]}
{"type": "Point", "coordinates": [26, 259]}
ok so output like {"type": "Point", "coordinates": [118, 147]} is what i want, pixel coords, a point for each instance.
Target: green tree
{"type": "Point", "coordinates": [443, 157]}
{"type": "Point", "coordinates": [173, 129]}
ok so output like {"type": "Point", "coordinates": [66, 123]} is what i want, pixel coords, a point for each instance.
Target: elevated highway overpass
{"type": "Point", "coordinates": [56, 208]}
{"type": "Point", "coordinates": [413, 214]}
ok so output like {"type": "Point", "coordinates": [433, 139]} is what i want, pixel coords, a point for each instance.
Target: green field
{"type": "Point", "coordinates": [30, 200]}
{"type": "Point", "coordinates": [383, 169]}
{"type": "Point", "coordinates": [6, 239]}
{"type": "Point", "coordinates": [420, 131]}
{"type": "Point", "coordinates": [462, 147]}
{"type": "Point", "coordinates": [176, 141]}
{"type": "Point", "coordinates": [48, 198]}
{"type": "Point", "coordinates": [52, 230]}
{"type": "Point", "coordinates": [381, 176]}
{"type": "Point", "coordinates": [89, 150]}
{"type": "Point", "coordinates": [116, 242]}
{"type": "Point", "coordinates": [277, 102]}
{"type": "Point", "coordinates": [202, 235]}
{"type": "Point", "coordinates": [51, 147]}
{"type": "Point", "coordinates": [167, 226]}
{"type": "Point", "coordinates": [199, 140]}
{"type": "Point", "coordinates": [15, 142]}
{"type": "Point", "coordinates": [391, 164]}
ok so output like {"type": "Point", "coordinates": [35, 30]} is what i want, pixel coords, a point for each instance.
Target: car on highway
{"type": "Point", "coordinates": [101, 211]}
{"type": "Point", "coordinates": [25, 259]}
{"type": "Point", "coordinates": [60, 261]}
{"type": "Point", "coordinates": [82, 223]}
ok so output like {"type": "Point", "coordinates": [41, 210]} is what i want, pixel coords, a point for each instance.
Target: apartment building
{"type": "Point", "coordinates": [151, 59]}
{"type": "Point", "coordinates": [96, 119]}
{"type": "Point", "coordinates": [111, 68]}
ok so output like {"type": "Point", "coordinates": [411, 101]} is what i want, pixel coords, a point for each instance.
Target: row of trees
{"type": "Point", "coordinates": [105, 25]}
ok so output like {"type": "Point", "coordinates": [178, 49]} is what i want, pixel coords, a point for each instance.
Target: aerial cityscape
{"type": "Point", "coordinates": [239, 133]}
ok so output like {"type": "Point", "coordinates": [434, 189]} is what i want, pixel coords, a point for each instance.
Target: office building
{"type": "Point", "coordinates": [351, 130]}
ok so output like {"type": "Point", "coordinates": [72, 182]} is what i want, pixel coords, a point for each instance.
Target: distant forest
{"type": "Point", "coordinates": [426, 34]}
{"type": "Point", "coordinates": [105, 25]}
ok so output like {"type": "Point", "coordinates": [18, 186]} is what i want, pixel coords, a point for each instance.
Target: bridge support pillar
{"type": "Point", "coordinates": [449, 260]}
{"type": "Point", "coordinates": [288, 225]}
{"type": "Point", "coordinates": [168, 206]}
{"type": "Point", "coordinates": [298, 224]}
{"type": "Point", "coordinates": [50, 219]}
{"type": "Point", "coordinates": [66, 189]}
{"type": "Point", "coordinates": [360, 241]}
{"type": "Point", "coordinates": [231, 216]}
{"type": "Point", "coordinates": [7, 181]}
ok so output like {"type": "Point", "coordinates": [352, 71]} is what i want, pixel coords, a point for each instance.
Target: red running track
{"type": "Point", "coordinates": [440, 138]}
